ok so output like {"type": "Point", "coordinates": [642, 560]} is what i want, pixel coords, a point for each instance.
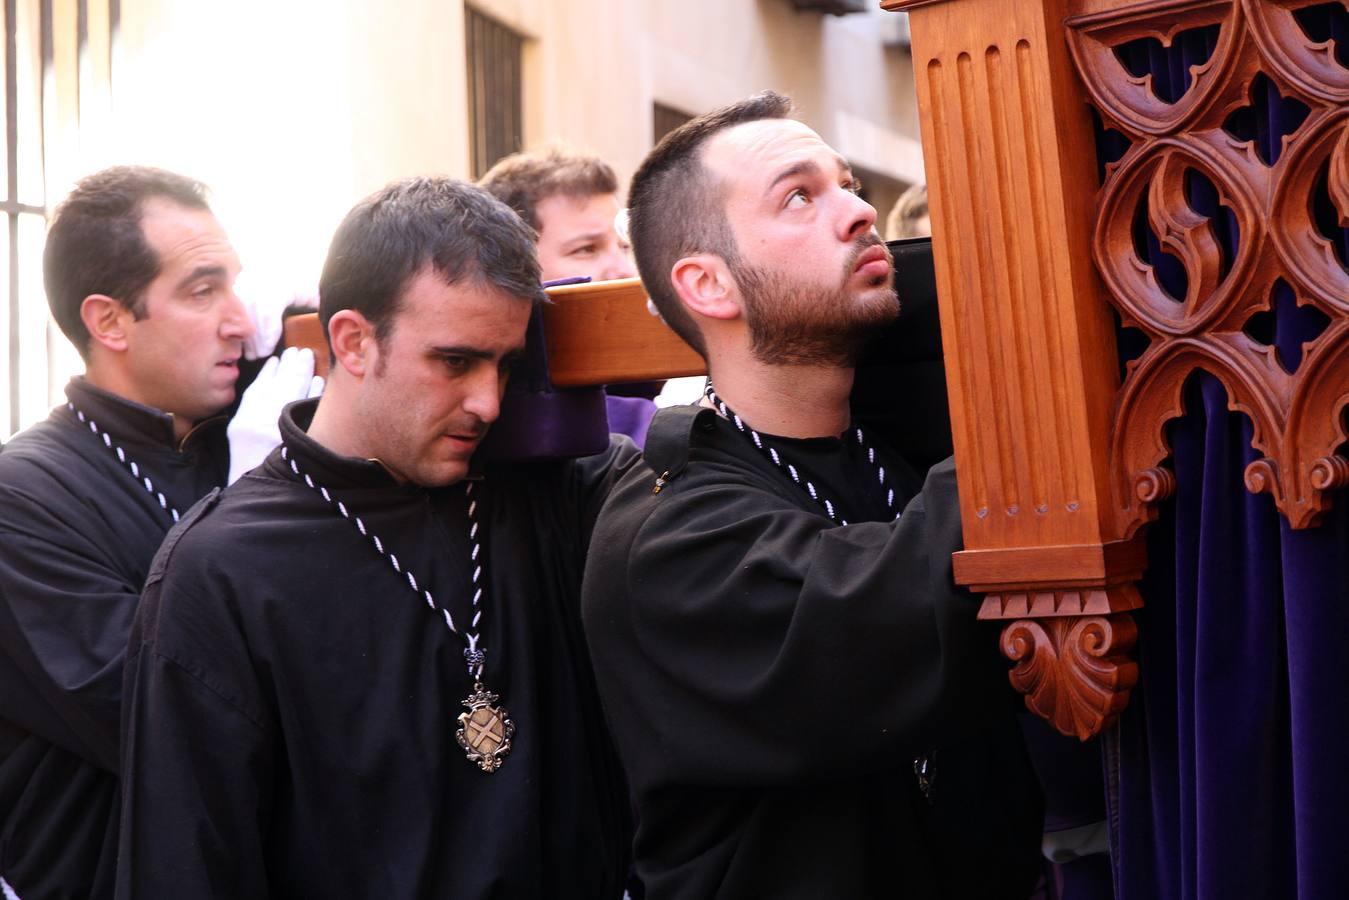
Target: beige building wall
{"type": "Point", "coordinates": [596, 67]}
{"type": "Point", "coordinates": [291, 110]}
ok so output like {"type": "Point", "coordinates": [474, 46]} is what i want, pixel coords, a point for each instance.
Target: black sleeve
{"type": "Point", "coordinates": [196, 750]}
{"type": "Point", "coordinates": [65, 611]}
{"type": "Point", "coordinates": [593, 479]}
{"type": "Point", "coordinates": [763, 644]}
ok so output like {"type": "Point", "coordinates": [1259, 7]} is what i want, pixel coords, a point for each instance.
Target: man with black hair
{"type": "Point", "coordinates": [802, 699]}
{"type": "Point", "coordinates": [360, 672]}
{"type": "Point", "coordinates": [140, 277]}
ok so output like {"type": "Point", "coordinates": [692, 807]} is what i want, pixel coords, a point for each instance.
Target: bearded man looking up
{"type": "Point", "coordinates": [801, 696]}
{"type": "Point", "coordinates": [360, 671]}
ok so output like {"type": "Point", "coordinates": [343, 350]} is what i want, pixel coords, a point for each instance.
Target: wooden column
{"type": "Point", "coordinates": [1030, 348]}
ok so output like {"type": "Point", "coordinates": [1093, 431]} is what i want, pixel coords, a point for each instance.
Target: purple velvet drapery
{"type": "Point", "coordinates": [1226, 773]}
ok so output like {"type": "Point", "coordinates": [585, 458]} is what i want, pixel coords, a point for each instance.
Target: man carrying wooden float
{"type": "Point", "coordinates": [140, 277]}
{"type": "Point", "coordinates": [360, 672]}
{"type": "Point", "coordinates": [801, 696]}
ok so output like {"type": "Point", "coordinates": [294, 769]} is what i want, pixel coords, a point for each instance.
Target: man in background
{"type": "Point", "coordinates": [909, 216]}
{"type": "Point", "coordinates": [140, 277]}
{"type": "Point", "coordinates": [571, 201]}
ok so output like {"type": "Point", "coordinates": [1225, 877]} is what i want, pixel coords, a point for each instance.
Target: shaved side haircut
{"type": "Point", "coordinates": [676, 207]}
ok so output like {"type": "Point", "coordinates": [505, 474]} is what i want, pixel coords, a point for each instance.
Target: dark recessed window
{"type": "Point", "coordinates": [495, 90]}
{"type": "Point", "coordinates": [665, 120]}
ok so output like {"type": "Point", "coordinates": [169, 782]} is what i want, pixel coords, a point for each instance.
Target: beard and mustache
{"type": "Point", "coordinates": [792, 323]}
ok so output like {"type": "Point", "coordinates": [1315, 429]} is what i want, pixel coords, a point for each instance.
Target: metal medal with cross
{"type": "Point", "coordinates": [486, 729]}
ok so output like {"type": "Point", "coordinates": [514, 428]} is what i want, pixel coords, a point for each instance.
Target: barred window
{"type": "Point", "coordinates": [495, 90]}
{"type": "Point", "coordinates": [56, 78]}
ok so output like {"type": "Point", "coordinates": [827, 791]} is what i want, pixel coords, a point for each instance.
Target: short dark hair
{"type": "Point", "coordinates": [96, 245]}
{"type": "Point", "coordinates": [524, 180]}
{"type": "Point", "coordinates": [676, 207]}
{"type": "Point", "coordinates": [460, 230]}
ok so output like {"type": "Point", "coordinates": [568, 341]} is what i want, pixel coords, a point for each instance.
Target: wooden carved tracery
{"type": "Point", "coordinates": [1061, 464]}
{"type": "Point", "coordinates": [1296, 412]}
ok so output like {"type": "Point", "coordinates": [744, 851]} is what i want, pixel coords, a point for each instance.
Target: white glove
{"type": "Point", "coordinates": [254, 432]}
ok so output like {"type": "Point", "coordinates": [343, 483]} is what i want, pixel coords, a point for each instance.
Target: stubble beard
{"type": "Point", "coordinates": [791, 323]}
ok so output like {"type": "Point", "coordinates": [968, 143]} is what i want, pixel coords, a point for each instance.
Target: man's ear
{"type": "Point", "coordinates": [353, 339]}
{"type": "Point", "coordinates": [107, 321]}
{"type": "Point", "coordinates": [704, 284]}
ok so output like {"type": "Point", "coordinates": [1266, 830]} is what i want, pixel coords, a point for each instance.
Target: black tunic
{"type": "Point", "coordinates": [77, 535]}
{"type": "Point", "coordinates": [770, 678]}
{"type": "Point", "coordinates": [292, 704]}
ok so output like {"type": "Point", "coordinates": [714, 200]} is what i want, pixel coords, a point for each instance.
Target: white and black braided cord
{"type": "Point", "coordinates": [474, 656]}
{"type": "Point", "coordinates": [793, 472]}
{"type": "Point", "coordinates": [130, 464]}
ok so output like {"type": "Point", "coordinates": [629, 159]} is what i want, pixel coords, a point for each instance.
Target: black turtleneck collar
{"type": "Point", "coordinates": [130, 421]}
{"type": "Point", "coordinates": [323, 465]}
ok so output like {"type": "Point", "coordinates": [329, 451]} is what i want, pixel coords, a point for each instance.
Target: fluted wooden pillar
{"type": "Point", "coordinates": [1030, 350]}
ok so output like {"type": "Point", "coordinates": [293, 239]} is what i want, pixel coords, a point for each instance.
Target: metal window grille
{"type": "Point", "coordinates": [666, 119]}
{"type": "Point", "coordinates": [495, 90]}
{"type": "Point", "coordinates": [48, 63]}
{"type": "Point", "coordinates": [833, 7]}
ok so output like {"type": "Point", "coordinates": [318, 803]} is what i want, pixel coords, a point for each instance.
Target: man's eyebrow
{"type": "Point", "coordinates": [200, 272]}
{"type": "Point", "coordinates": [459, 350]}
{"type": "Point", "coordinates": [586, 238]}
{"type": "Point", "coordinates": [804, 167]}
{"type": "Point", "coordinates": [808, 167]}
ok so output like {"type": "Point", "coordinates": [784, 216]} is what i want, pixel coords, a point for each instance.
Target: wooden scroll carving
{"type": "Point", "coordinates": [1060, 465]}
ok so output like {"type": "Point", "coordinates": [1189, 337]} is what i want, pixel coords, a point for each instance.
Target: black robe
{"type": "Point", "coordinates": [77, 535]}
{"type": "Point", "coordinates": [770, 678]}
{"type": "Point", "coordinates": [291, 713]}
